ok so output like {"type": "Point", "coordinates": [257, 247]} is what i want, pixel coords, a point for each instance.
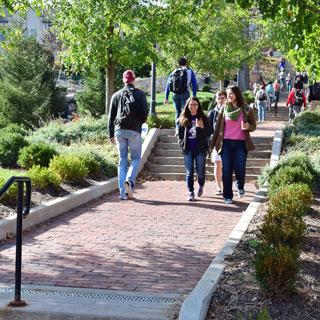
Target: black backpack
{"type": "Point", "coordinates": [126, 105]}
{"type": "Point", "coordinates": [179, 81]}
{"type": "Point", "coordinates": [262, 95]}
{"type": "Point", "coordinates": [298, 98]}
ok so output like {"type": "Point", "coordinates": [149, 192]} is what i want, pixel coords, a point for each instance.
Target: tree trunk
{"type": "Point", "coordinates": [110, 70]}
{"type": "Point", "coordinates": [246, 77]}
{"type": "Point", "coordinates": [221, 84]}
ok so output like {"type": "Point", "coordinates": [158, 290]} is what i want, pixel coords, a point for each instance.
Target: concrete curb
{"type": "Point", "coordinates": [58, 206]}
{"type": "Point", "coordinates": [196, 305]}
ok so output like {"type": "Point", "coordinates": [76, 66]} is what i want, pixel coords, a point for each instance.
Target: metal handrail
{"type": "Point", "coordinates": [21, 213]}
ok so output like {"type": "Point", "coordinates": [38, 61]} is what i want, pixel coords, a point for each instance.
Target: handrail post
{"type": "Point", "coordinates": [17, 295]}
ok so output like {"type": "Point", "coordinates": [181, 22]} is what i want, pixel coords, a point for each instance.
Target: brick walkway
{"type": "Point", "coordinates": [155, 243]}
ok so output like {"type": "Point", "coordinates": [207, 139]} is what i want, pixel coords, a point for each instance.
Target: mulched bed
{"type": "Point", "coordinates": [238, 295]}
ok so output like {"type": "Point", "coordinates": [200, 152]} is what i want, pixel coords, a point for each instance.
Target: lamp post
{"type": "Point", "coordinates": [153, 89]}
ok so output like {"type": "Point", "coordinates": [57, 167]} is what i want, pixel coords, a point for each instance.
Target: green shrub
{"type": "Point", "coordinates": [84, 130]}
{"type": "Point", "coordinates": [36, 154]}
{"type": "Point", "coordinates": [288, 175]}
{"type": "Point", "coordinates": [277, 269]}
{"type": "Point", "coordinates": [70, 168]}
{"type": "Point", "coordinates": [315, 160]}
{"type": "Point", "coordinates": [206, 88]}
{"type": "Point", "coordinates": [10, 197]}
{"type": "Point", "coordinates": [248, 96]}
{"type": "Point", "coordinates": [109, 168]}
{"type": "Point", "coordinates": [10, 144]}
{"type": "Point", "coordinates": [166, 122]}
{"type": "Point", "coordinates": [292, 159]}
{"type": "Point", "coordinates": [91, 164]}
{"type": "Point", "coordinates": [43, 178]}
{"type": "Point", "coordinates": [206, 103]}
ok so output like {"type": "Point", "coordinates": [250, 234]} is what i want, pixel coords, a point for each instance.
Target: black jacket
{"type": "Point", "coordinates": [202, 136]}
{"type": "Point", "coordinates": [138, 111]}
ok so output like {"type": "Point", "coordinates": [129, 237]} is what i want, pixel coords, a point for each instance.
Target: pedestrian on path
{"type": "Point", "coordinates": [314, 95]}
{"type": "Point", "coordinates": [276, 87]}
{"type": "Point", "coordinates": [179, 83]}
{"type": "Point", "coordinates": [296, 100]}
{"type": "Point", "coordinates": [221, 97]}
{"type": "Point", "coordinates": [128, 111]}
{"type": "Point", "coordinates": [232, 140]}
{"type": "Point", "coordinates": [262, 101]}
{"type": "Point", "coordinates": [193, 137]}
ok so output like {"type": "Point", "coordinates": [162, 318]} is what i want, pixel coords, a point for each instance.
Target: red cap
{"type": "Point", "coordinates": [128, 76]}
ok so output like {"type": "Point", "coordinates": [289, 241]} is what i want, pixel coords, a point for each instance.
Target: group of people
{"type": "Point", "coordinates": [224, 133]}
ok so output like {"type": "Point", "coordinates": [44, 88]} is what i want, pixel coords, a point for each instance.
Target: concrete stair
{"type": "Point", "coordinates": [166, 161]}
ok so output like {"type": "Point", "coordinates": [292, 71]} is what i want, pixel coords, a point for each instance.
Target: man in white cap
{"type": "Point", "coordinates": [128, 111]}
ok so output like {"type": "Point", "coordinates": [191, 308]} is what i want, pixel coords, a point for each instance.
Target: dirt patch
{"type": "Point", "coordinates": [238, 295]}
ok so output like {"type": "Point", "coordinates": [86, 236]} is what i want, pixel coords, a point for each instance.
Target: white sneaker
{"type": "Point", "coordinates": [127, 186]}
{"type": "Point", "coordinates": [228, 201]}
{"type": "Point", "coordinates": [241, 193]}
{"type": "Point", "coordinates": [218, 191]}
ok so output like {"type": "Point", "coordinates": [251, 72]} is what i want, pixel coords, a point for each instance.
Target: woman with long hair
{"type": "Point", "coordinates": [232, 140]}
{"type": "Point", "coordinates": [193, 140]}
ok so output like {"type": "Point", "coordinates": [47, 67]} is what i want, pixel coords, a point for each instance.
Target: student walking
{"type": "Point", "coordinates": [128, 111]}
{"type": "Point", "coordinates": [296, 99]}
{"type": "Point", "coordinates": [276, 87]}
{"type": "Point", "coordinates": [262, 100]}
{"type": "Point", "coordinates": [193, 136]}
{"type": "Point", "coordinates": [179, 83]}
{"type": "Point", "coordinates": [314, 95]}
{"type": "Point", "coordinates": [221, 98]}
{"type": "Point", "coordinates": [232, 140]}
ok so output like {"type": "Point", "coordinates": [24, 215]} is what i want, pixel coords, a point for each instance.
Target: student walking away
{"type": "Point", "coordinates": [289, 82]}
{"type": "Point", "coordinates": [193, 136]}
{"type": "Point", "coordinates": [298, 81]}
{"type": "Point", "coordinates": [276, 87]}
{"type": "Point", "coordinates": [314, 95]}
{"type": "Point", "coordinates": [282, 78]}
{"type": "Point", "coordinates": [296, 99]}
{"type": "Point", "coordinates": [221, 98]}
{"type": "Point", "coordinates": [128, 111]}
{"type": "Point", "coordinates": [262, 100]}
{"type": "Point", "coordinates": [232, 140]}
{"type": "Point", "coordinates": [179, 83]}
{"type": "Point", "coordinates": [270, 92]}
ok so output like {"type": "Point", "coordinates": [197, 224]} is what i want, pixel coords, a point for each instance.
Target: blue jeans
{"type": "Point", "coordinates": [234, 157]}
{"type": "Point", "coordinates": [261, 110]}
{"type": "Point", "coordinates": [125, 139]}
{"type": "Point", "coordinates": [179, 101]}
{"type": "Point", "coordinates": [189, 159]}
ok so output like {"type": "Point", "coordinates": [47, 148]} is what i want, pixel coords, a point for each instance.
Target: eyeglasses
{"type": "Point", "coordinates": [193, 104]}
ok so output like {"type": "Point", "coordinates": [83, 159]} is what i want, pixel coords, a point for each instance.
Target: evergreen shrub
{"type": "Point", "coordinates": [10, 197]}
{"type": "Point", "coordinates": [36, 154]}
{"type": "Point", "coordinates": [43, 178]}
{"type": "Point", "coordinates": [70, 168]}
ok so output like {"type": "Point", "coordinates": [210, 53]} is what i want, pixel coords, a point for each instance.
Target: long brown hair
{"type": "Point", "coordinates": [239, 97]}
{"type": "Point", "coordinates": [185, 116]}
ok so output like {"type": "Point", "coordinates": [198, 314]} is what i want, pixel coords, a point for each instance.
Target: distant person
{"type": "Point", "coordinates": [282, 78]}
{"type": "Point", "coordinates": [231, 139]}
{"type": "Point", "coordinates": [296, 100]}
{"type": "Point", "coordinates": [282, 64]}
{"type": "Point", "coordinates": [314, 95]}
{"type": "Point", "coordinates": [221, 97]}
{"type": "Point", "coordinates": [277, 88]}
{"type": "Point", "coordinates": [270, 52]}
{"type": "Point", "coordinates": [179, 83]}
{"type": "Point", "coordinates": [262, 101]}
{"type": "Point", "coordinates": [193, 139]}
{"type": "Point", "coordinates": [128, 111]}
{"type": "Point", "coordinates": [270, 92]}
{"type": "Point", "coordinates": [289, 82]}
{"type": "Point", "coordinates": [226, 83]}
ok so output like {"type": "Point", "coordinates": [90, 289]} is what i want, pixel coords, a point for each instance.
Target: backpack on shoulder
{"type": "Point", "coordinates": [126, 102]}
{"type": "Point", "coordinates": [179, 81]}
{"type": "Point", "coordinates": [298, 98]}
{"type": "Point", "coordinates": [262, 95]}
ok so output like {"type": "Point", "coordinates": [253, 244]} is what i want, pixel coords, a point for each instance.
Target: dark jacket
{"type": "Point", "coordinates": [202, 136]}
{"type": "Point", "coordinates": [217, 139]}
{"type": "Point", "coordinates": [138, 111]}
{"type": "Point", "coordinates": [212, 118]}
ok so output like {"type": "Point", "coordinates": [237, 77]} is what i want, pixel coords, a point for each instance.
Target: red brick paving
{"type": "Point", "coordinates": [156, 243]}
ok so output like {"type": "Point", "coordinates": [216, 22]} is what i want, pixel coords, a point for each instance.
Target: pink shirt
{"type": "Point", "coordinates": [232, 129]}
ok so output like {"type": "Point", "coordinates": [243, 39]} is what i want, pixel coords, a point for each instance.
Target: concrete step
{"type": "Point", "coordinates": [179, 161]}
{"type": "Point", "coordinates": [264, 154]}
{"type": "Point", "coordinates": [181, 176]}
{"type": "Point", "coordinates": [173, 139]}
{"type": "Point", "coordinates": [159, 168]}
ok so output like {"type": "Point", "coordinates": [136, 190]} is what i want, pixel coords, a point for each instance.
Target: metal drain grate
{"type": "Point", "coordinates": [85, 295]}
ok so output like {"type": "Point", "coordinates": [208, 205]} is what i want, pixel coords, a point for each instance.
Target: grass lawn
{"type": "Point", "coordinates": [164, 110]}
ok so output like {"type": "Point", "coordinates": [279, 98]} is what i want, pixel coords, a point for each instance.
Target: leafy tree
{"type": "Point", "coordinates": [25, 92]}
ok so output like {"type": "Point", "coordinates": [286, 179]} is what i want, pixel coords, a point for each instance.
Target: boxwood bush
{"type": "Point", "coordinates": [36, 154]}
{"type": "Point", "coordinates": [10, 197]}
{"type": "Point", "coordinates": [43, 178]}
{"type": "Point", "coordinates": [69, 167]}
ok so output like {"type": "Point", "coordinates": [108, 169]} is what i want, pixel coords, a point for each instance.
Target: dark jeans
{"type": "Point", "coordinates": [294, 110]}
{"type": "Point", "coordinates": [234, 157]}
{"type": "Point", "coordinates": [277, 94]}
{"type": "Point", "coordinates": [189, 159]}
{"type": "Point", "coordinates": [179, 101]}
